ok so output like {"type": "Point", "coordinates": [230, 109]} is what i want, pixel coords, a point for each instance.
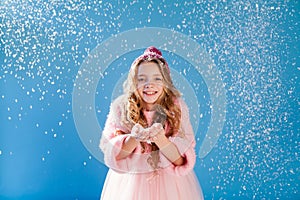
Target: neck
{"type": "Point", "coordinates": [149, 107]}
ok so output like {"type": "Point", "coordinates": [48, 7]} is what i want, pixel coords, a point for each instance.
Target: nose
{"type": "Point", "coordinates": [148, 84]}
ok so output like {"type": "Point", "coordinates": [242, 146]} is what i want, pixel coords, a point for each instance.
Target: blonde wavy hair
{"type": "Point", "coordinates": [134, 105]}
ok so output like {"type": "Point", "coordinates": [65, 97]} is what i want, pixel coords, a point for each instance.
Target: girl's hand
{"type": "Point", "coordinates": [139, 133]}
{"type": "Point", "coordinates": [147, 134]}
{"type": "Point", "coordinates": [165, 146]}
{"type": "Point", "coordinates": [155, 131]}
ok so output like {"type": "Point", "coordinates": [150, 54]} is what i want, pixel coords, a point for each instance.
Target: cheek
{"type": "Point", "coordinates": [160, 89]}
{"type": "Point", "coordinates": [140, 90]}
{"type": "Point", "coordinates": [140, 86]}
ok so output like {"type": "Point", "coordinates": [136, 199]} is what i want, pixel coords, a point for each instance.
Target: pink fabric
{"type": "Point", "coordinates": [133, 178]}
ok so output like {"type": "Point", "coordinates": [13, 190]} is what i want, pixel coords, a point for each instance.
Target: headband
{"type": "Point", "coordinates": [150, 53]}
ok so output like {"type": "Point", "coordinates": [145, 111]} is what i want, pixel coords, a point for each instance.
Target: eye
{"type": "Point", "coordinates": [141, 79]}
{"type": "Point", "coordinates": [158, 79]}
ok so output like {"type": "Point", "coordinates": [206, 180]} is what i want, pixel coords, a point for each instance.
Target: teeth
{"type": "Point", "coordinates": [150, 93]}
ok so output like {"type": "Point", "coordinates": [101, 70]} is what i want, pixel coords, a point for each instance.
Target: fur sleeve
{"type": "Point", "coordinates": [111, 140]}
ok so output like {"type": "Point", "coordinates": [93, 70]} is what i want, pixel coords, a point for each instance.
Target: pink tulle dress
{"type": "Point", "coordinates": [135, 177]}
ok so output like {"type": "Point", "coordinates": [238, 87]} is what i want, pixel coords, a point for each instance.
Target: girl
{"type": "Point", "coordinates": [148, 141]}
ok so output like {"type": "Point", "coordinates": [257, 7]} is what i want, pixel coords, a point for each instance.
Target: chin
{"type": "Point", "coordinates": [150, 101]}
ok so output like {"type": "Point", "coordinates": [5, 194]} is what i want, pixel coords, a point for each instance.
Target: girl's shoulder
{"type": "Point", "coordinates": [118, 112]}
{"type": "Point", "coordinates": [118, 106]}
{"type": "Point", "coordinates": [180, 102]}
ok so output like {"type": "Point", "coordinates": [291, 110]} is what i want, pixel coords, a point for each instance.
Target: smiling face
{"type": "Point", "coordinates": [149, 83]}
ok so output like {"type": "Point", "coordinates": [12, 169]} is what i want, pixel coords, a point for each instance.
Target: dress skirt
{"type": "Point", "coordinates": [151, 186]}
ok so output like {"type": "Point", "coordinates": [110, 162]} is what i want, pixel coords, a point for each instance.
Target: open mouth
{"type": "Point", "coordinates": [150, 92]}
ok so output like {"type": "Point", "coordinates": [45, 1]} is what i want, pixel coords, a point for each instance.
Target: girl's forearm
{"type": "Point", "coordinates": [169, 149]}
{"type": "Point", "coordinates": [128, 147]}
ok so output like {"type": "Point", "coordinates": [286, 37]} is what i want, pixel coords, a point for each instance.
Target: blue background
{"type": "Point", "coordinates": [254, 44]}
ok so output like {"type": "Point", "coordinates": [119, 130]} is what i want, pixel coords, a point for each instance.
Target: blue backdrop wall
{"type": "Point", "coordinates": [236, 62]}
